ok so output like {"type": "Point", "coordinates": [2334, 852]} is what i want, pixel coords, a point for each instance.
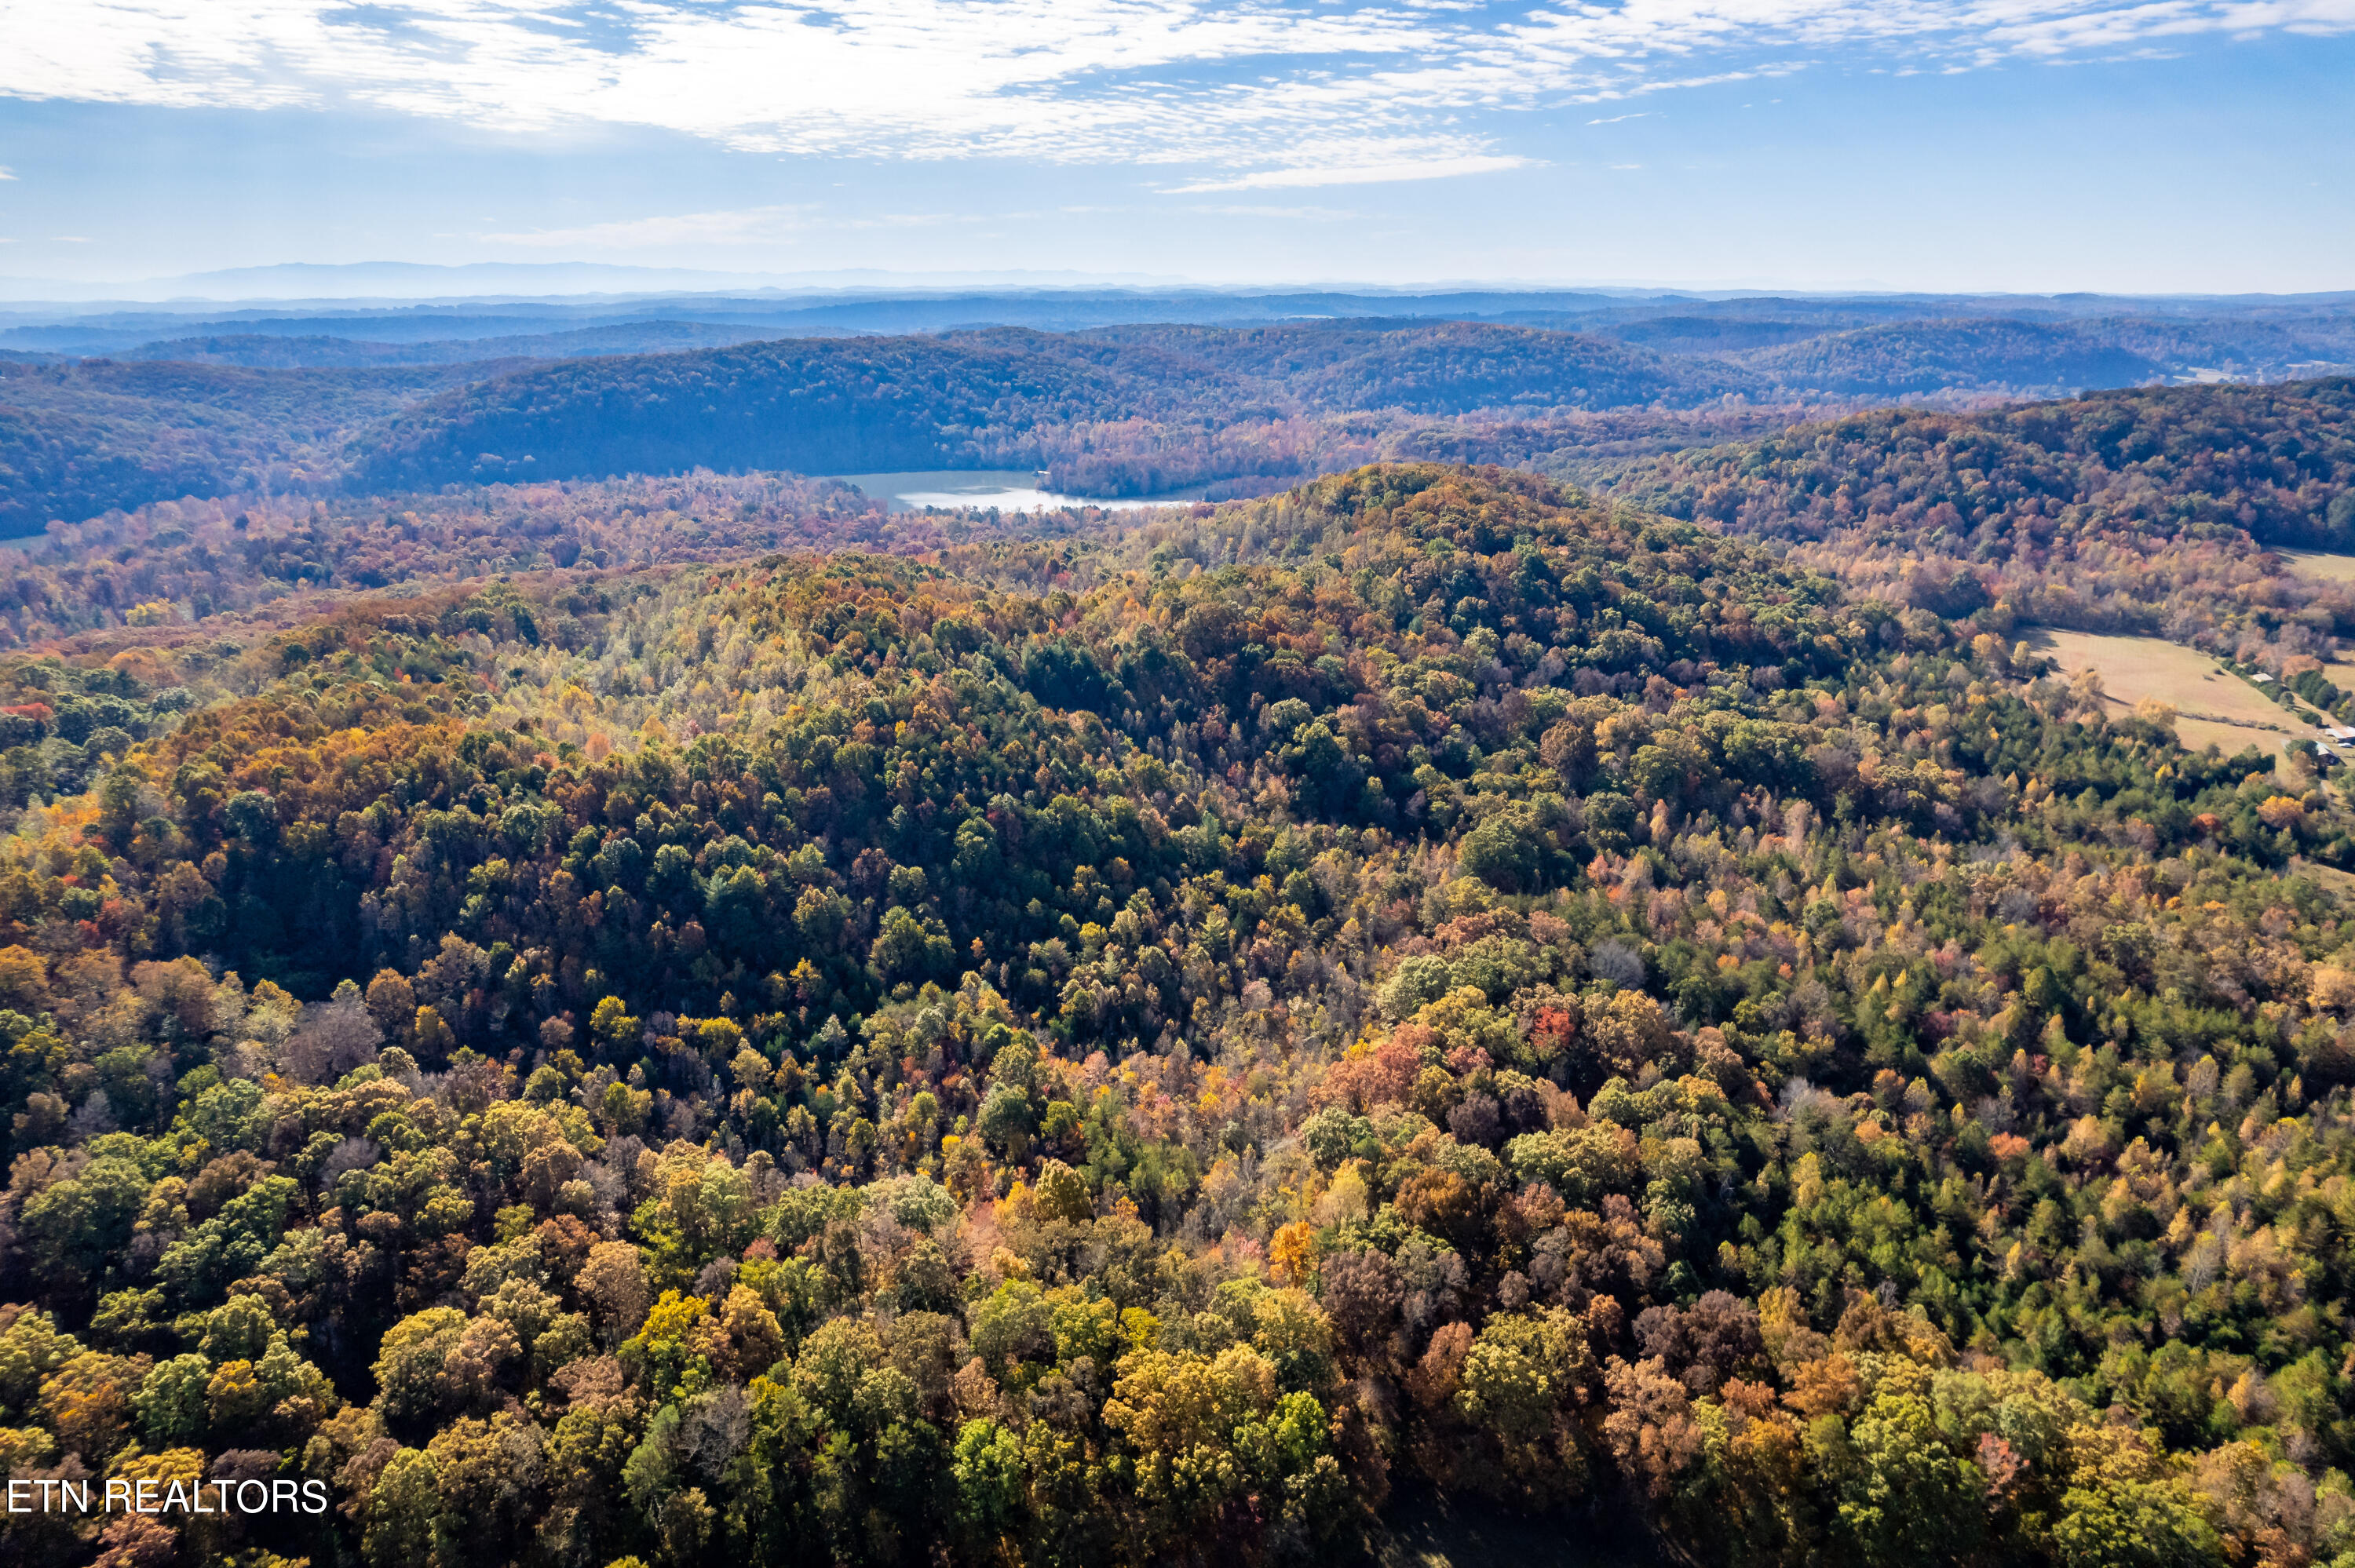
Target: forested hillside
{"type": "Point", "coordinates": [1121, 412]}
{"type": "Point", "coordinates": [972, 399]}
{"type": "Point", "coordinates": [264, 350]}
{"type": "Point", "coordinates": [813, 406]}
{"type": "Point", "coordinates": [1892, 360]}
{"type": "Point", "coordinates": [1449, 368]}
{"type": "Point", "coordinates": [274, 405]}
{"type": "Point", "coordinates": [173, 568]}
{"type": "Point", "coordinates": [1141, 1048]}
{"type": "Point", "coordinates": [78, 441]}
{"type": "Point", "coordinates": [1890, 348]}
{"type": "Point", "coordinates": [2147, 510]}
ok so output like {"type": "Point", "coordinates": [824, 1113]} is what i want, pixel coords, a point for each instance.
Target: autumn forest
{"type": "Point", "coordinates": [1561, 957]}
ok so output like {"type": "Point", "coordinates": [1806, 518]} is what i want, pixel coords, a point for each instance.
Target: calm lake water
{"type": "Point", "coordinates": [1009, 490]}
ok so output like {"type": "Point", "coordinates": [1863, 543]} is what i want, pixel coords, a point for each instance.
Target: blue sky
{"type": "Point", "coordinates": [2143, 145]}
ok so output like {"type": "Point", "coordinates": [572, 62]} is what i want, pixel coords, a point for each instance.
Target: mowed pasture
{"type": "Point", "coordinates": [2320, 565]}
{"type": "Point", "coordinates": [2212, 706]}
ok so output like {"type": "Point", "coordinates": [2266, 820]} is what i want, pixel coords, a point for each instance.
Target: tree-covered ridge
{"type": "Point", "coordinates": [1449, 367]}
{"type": "Point", "coordinates": [184, 563]}
{"type": "Point", "coordinates": [78, 441]}
{"type": "Point", "coordinates": [1133, 411]}
{"type": "Point", "coordinates": [271, 405]}
{"type": "Point", "coordinates": [173, 569]}
{"type": "Point", "coordinates": [273, 351]}
{"type": "Point", "coordinates": [1126, 1051]}
{"type": "Point", "coordinates": [2147, 510]}
{"type": "Point", "coordinates": [1899, 358]}
{"type": "Point", "coordinates": [810, 405]}
{"type": "Point", "coordinates": [1002, 395]}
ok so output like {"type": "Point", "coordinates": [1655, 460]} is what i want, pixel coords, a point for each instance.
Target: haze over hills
{"type": "Point", "coordinates": [1115, 392]}
{"type": "Point", "coordinates": [418, 281]}
{"type": "Point", "coordinates": [104, 329]}
{"type": "Point", "coordinates": [269, 351]}
{"type": "Point", "coordinates": [976, 399]}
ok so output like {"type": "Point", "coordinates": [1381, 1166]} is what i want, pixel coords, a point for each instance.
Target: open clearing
{"type": "Point", "coordinates": [2211, 708]}
{"type": "Point", "coordinates": [2331, 877]}
{"type": "Point", "coordinates": [2320, 565]}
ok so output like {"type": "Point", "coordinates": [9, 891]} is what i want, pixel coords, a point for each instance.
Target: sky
{"type": "Point", "coordinates": [2005, 145]}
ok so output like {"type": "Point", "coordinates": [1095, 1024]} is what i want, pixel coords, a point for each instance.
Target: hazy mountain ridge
{"type": "Point", "coordinates": [267, 350]}
{"type": "Point", "coordinates": [78, 440]}
{"type": "Point", "coordinates": [1127, 408]}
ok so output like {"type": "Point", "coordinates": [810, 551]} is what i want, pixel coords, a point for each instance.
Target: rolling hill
{"type": "Point", "coordinates": [1899, 358]}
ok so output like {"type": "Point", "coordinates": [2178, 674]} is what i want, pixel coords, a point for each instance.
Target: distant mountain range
{"type": "Point", "coordinates": [1670, 321]}
{"type": "Point", "coordinates": [1116, 391]}
{"type": "Point", "coordinates": [323, 281]}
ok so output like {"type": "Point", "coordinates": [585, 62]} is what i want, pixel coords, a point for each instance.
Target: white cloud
{"type": "Point", "coordinates": [1283, 93]}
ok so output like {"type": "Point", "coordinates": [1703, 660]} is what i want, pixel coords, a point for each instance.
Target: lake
{"type": "Point", "coordinates": [1007, 489]}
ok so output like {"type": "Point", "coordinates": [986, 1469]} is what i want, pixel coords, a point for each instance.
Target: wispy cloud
{"type": "Point", "coordinates": [1615, 119]}
{"type": "Point", "coordinates": [1280, 93]}
{"type": "Point", "coordinates": [1310, 214]}
{"type": "Point", "coordinates": [1302, 175]}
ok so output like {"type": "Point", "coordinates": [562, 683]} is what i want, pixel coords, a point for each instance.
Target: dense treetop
{"type": "Point", "coordinates": [1896, 358]}
{"type": "Point", "coordinates": [1128, 1048]}
{"type": "Point", "coordinates": [78, 440]}
{"type": "Point", "coordinates": [2147, 510]}
{"type": "Point", "coordinates": [2270, 459]}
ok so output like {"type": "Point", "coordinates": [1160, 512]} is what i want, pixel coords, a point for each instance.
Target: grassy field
{"type": "Point", "coordinates": [2319, 565]}
{"type": "Point", "coordinates": [2331, 877]}
{"type": "Point", "coordinates": [2213, 707]}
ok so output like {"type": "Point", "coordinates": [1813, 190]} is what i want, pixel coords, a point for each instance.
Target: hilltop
{"type": "Point", "coordinates": [2149, 510]}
